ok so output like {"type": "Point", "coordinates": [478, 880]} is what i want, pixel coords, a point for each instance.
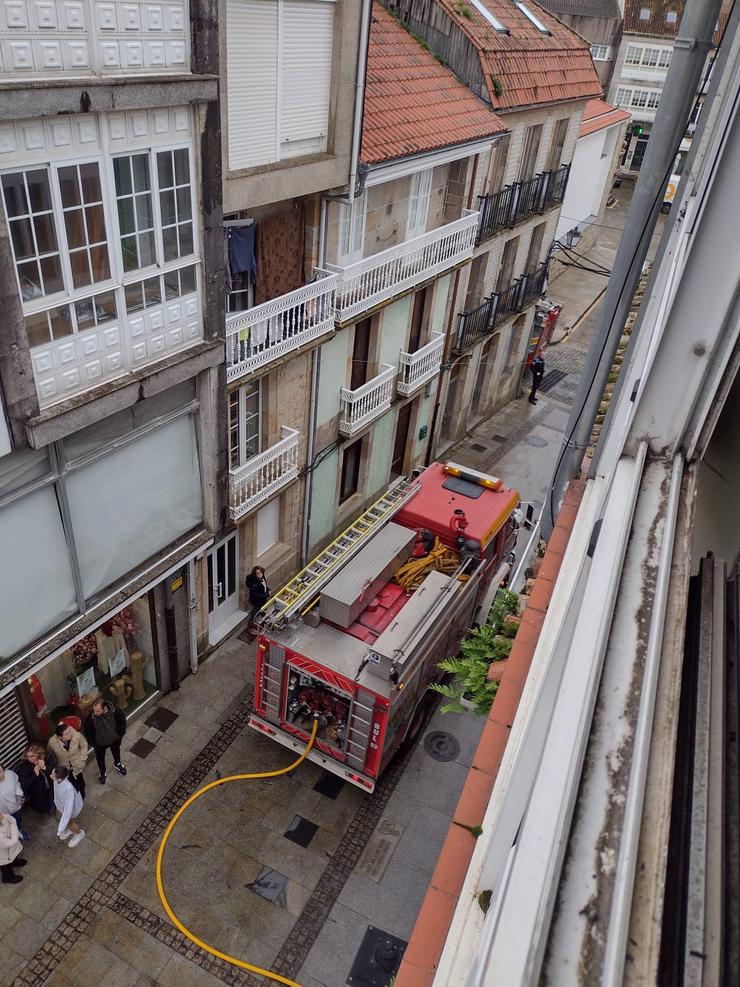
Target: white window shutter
{"type": "Point", "coordinates": [252, 82]}
{"type": "Point", "coordinates": [268, 526]}
{"type": "Point", "coordinates": [305, 76]}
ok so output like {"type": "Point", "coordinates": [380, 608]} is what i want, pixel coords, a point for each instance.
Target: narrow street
{"type": "Point", "coordinates": [288, 873]}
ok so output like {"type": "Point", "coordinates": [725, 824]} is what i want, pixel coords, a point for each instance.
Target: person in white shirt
{"type": "Point", "coordinates": [69, 804]}
{"type": "Point", "coordinates": [12, 798]}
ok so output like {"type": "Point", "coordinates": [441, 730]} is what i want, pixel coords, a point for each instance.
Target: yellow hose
{"type": "Point", "coordinates": [160, 856]}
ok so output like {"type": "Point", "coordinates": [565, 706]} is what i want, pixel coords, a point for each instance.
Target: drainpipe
{"type": "Point", "coordinates": [359, 95]}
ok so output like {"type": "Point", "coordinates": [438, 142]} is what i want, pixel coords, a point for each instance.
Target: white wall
{"type": "Point", "coordinates": [590, 171]}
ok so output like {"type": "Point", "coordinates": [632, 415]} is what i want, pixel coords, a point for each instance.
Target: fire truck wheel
{"type": "Point", "coordinates": [417, 723]}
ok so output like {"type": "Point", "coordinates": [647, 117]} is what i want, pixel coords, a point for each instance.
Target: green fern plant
{"type": "Point", "coordinates": [469, 669]}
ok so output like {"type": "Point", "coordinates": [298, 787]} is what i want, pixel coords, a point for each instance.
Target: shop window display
{"type": "Point", "coordinates": [115, 661]}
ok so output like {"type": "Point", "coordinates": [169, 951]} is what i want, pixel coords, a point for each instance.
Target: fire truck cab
{"type": "Point", "coordinates": [354, 639]}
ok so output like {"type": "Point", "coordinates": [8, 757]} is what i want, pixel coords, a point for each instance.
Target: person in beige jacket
{"type": "Point", "coordinates": [10, 849]}
{"type": "Point", "coordinates": [70, 749]}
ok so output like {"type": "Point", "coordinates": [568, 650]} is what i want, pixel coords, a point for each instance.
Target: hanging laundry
{"type": "Point", "coordinates": [241, 250]}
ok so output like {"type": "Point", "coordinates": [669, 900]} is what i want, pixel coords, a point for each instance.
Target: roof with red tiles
{"type": "Point", "coordinates": [522, 65]}
{"type": "Point", "coordinates": [655, 23]}
{"type": "Point", "coordinates": [412, 102]}
{"type": "Point", "coordinates": [598, 114]}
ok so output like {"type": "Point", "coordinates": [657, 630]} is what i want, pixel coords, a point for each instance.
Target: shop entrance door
{"type": "Point", "coordinates": [223, 589]}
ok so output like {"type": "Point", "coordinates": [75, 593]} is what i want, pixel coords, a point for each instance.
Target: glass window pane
{"type": "Point", "coordinates": [80, 264]}
{"type": "Point", "coordinates": [75, 226]}
{"type": "Point", "coordinates": [20, 231]}
{"type": "Point", "coordinates": [37, 329]}
{"type": "Point", "coordinates": [164, 169]}
{"type": "Point", "coordinates": [46, 238]}
{"type": "Point", "coordinates": [144, 212]}
{"type": "Point", "coordinates": [140, 165]}
{"type": "Point", "coordinates": [169, 241]}
{"type": "Point", "coordinates": [90, 177]}
{"type": "Point", "coordinates": [187, 279]}
{"type": "Point", "coordinates": [146, 249]}
{"type": "Point", "coordinates": [134, 297]}
{"type": "Point", "coordinates": [69, 186]}
{"type": "Point", "coordinates": [38, 190]}
{"type": "Point", "coordinates": [85, 313]}
{"type": "Point", "coordinates": [152, 292]}
{"type": "Point", "coordinates": [61, 322]}
{"type": "Point", "coordinates": [184, 210]}
{"type": "Point", "coordinates": [122, 174]}
{"type": "Point", "coordinates": [14, 191]}
{"type": "Point", "coordinates": [51, 271]}
{"type": "Point", "coordinates": [21, 468]}
{"type": "Point", "coordinates": [167, 207]}
{"type": "Point", "coordinates": [99, 263]}
{"type": "Point", "coordinates": [95, 220]}
{"type": "Point", "coordinates": [182, 167]}
{"type": "Point", "coordinates": [171, 285]}
{"type": "Point", "coordinates": [105, 307]}
{"type": "Point", "coordinates": [130, 253]}
{"type": "Point", "coordinates": [30, 279]}
{"type": "Point", "coordinates": [126, 216]}
{"type": "Point", "coordinates": [186, 239]}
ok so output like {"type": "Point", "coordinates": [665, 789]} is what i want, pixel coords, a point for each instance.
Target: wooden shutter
{"type": "Point", "coordinates": [306, 42]}
{"type": "Point", "coordinates": [252, 81]}
{"type": "Point", "coordinates": [13, 737]}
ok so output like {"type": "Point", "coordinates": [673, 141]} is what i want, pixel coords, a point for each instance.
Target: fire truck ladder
{"type": "Point", "coordinates": [296, 595]}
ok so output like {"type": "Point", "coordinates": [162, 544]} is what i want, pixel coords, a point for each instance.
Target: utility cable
{"type": "Point", "coordinates": [242, 964]}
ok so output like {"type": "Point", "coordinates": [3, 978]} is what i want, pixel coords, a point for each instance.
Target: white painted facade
{"type": "Point", "coordinates": [591, 173]}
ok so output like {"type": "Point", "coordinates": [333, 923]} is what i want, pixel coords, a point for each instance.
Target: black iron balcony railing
{"type": "Point", "coordinates": [520, 200]}
{"type": "Point", "coordinates": [477, 323]}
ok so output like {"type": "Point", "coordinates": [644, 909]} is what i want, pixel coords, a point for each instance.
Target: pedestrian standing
{"type": "Point", "coordinates": [70, 749]}
{"type": "Point", "coordinates": [11, 849]}
{"type": "Point", "coordinates": [69, 805]}
{"type": "Point", "coordinates": [259, 591]}
{"type": "Point", "coordinates": [538, 372]}
{"type": "Point", "coordinates": [34, 774]}
{"type": "Point", "coordinates": [104, 728]}
{"type": "Point", "coordinates": [12, 799]}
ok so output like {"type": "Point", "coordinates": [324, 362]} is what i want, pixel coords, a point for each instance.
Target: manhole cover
{"type": "Point", "coordinates": [441, 746]}
{"type": "Point", "coordinates": [377, 960]}
{"type": "Point", "coordinates": [535, 440]}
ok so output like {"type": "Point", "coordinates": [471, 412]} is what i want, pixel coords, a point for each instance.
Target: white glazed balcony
{"type": "Point", "coordinates": [268, 331]}
{"type": "Point", "coordinates": [263, 475]}
{"type": "Point", "coordinates": [416, 369]}
{"type": "Point", "coordinates": [368, 402]}
{"type": "Point", "coordinates": [401, 268]}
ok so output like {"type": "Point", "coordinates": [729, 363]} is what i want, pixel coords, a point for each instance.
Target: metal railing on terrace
{"type": "Point", "coordinates": [479, 322]}
{"type": "Point", "coordinates": [520, 200]}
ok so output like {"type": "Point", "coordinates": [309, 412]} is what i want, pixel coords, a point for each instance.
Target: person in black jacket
{"type": "Point", "coordinates": [538, 372]}
{"type": "Point", "coordinates": [104, 728]}
{"type": "Point", "coordinates": [259, 591]}
{"type": "Point", "coordinates": [34, 774]}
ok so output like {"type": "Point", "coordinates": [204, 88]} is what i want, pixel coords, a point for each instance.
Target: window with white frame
{"type": "Point", "coordinates": [173, 171]}
{"type": "Point", "coordinates": [84, 222]}
{"type": "Point", "coordinates": [351, 231]}
{"type": "Point", "coordinates": [644, 13]}
{"type": "Point", "coordinates": [279, 61]}
{"type": "Point", "coordinates": [421, 188]}
{"type": "Point", "coordinates": [648, 57]}
{"type": "Point", "coordinates": [245, 423]}
{"type": "Point", "coordinates": [135, 213]}
{"type": "Point", "coordinates": [601, 53]}
{"type": "Point", "coordinates": [671, 17]}
{"type": "Point", "coordinates": [639, 99]}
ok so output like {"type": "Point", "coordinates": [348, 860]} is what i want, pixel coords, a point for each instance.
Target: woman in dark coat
{"type": "Point", "coordinates": [34, 774]}
{"type": "Point", "coordinates": [259, 591]}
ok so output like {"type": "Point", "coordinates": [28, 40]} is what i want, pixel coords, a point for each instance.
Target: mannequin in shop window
{"type": "Point", "coordinates": [111, 642]}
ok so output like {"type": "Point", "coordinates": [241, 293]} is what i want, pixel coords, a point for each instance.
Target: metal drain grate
{"type": "Point", "coordinates": [377, 960]}
{"type": "Point", "coordinates": [441, 746]}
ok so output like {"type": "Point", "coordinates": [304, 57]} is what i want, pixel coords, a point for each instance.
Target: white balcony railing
{"type": "Point", "coordinates": [268, 331]}
{"type": "Point", "coordinates": [368, 402]}
{"type": "Point", "coordinates": [415, 369]}
{"type": "Point", "coordinates": [262, 476]}
{"type": "Point", "coordinates": [378, 278]}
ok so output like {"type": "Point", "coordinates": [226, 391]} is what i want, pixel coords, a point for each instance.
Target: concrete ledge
{"type": "Point", "coordinates": [69, 416]}
{"type": "Point", "coordinates": [27, 99]}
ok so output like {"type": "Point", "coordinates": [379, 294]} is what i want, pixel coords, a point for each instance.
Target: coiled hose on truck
{"type": "Point", "coordinates": [160, 856]}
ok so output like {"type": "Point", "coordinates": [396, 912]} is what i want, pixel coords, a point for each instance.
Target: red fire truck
{"type": "Point", "coordinates": [354, 639]}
